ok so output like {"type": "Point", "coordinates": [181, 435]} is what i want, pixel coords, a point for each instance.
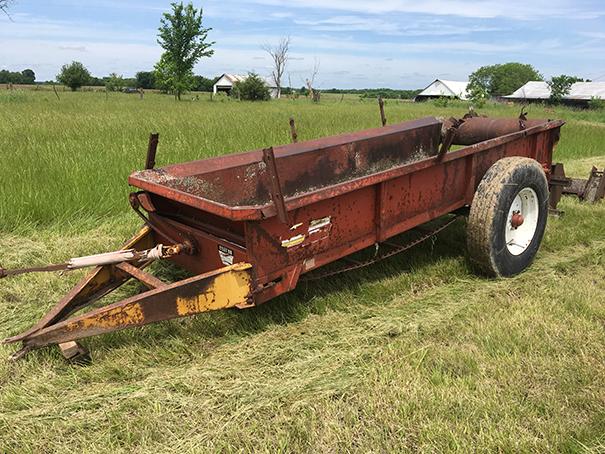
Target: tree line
{"type": "Point", "coordinates": [184, 40]}
{"type": "Point", "coordinates": [25, 77]}
{"type": "Point", "coordinates": [493, 81]}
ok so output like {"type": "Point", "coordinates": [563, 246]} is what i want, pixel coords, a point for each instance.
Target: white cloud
{"type": "Point", "coordinates": [360, 43]}
{"type": "Point", "coordinates": [517, 9]}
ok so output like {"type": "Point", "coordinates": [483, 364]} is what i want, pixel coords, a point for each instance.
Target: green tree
{"type": "Point", "coordinates": [560, 86]}
{"type": "Point", "coordinates": [28, 76]}
{"type": "Point", "coordinates": [74, 75]}
{"type": "Point", "coordinates": [145, 79]}
{"type": "Point", "coordinates": [501, 80]}
{"type": "Point", "coordinates": [201, 83]}
{"type": "Point", "coordinates": [114, 82]}
{"type": "Point", "coordinates": [163, 75]}
{"type": "Point", "coordinates": [478, 95]}
{"type": "Point", "coordinates": [253, 88]}
{"type": "Point", "coordinates": [184, 40]}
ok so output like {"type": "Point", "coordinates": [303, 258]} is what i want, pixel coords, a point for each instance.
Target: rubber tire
{"type": "Point", "coordinates": [489, 211]}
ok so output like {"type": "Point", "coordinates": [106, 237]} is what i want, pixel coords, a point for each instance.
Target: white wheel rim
{"type": "Point", "coordinates": [524, 210]}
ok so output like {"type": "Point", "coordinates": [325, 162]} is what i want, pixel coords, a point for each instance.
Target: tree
{"type": "Point", "coordinates": [163, 75]}
{"type": "Point", "coordinates": [279, 55]}
{"type": "Point", "coordinates": [184, 40]}
{"type": "Point", "coordinates": [310, 81]}
{"type": "Point", "coordinates": [500, 80]}
{"type": "Point", "coordinates": [145, 79]}
{"type": "Point", "coordinates": [114, 82]}
{"type": "Point", "coordinates": [560, 86]}
{"type": "Point", "coordinates": [28, 76]}
{"type": "Point", "coordinates": [74, 75]}
{"type": "Point", "coordinates": [4, 6]}
{"type": "Point", "coordinates": [201, 83]}
{"type": "Point", "coordinates": [253, 88]}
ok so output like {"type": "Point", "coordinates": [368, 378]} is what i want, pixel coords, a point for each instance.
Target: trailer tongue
{"type": "Point", "coordinates": [248, 226]}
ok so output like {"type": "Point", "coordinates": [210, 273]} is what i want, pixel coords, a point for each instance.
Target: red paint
{"type": "Point", "coordinates": [372, 185]}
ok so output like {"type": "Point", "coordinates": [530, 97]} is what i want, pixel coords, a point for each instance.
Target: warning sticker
{"type": "Point", "coordinates": [225, 254]}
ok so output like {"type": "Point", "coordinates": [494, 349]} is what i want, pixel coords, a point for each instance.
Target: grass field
{"type": "Point", "coordinates": [416, 353]}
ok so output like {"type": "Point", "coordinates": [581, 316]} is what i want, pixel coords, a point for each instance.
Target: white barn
{"type": "Point", "coordinates": [441, 88]}
{"type": "Point", "coordinates": [580, 92]}
{"type": "Point", "coordinates": [225, 84]}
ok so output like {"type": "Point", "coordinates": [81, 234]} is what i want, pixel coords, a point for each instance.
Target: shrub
{"type": "Point", "coordinates": [440, 102]}
{"type": "Point", "coordinates": [114, 82]}
{"type": "Point", "coordinates": [478, 96]}
{"type": "Point", "coordinates": [253, 88]}
{"type": "Point", "coordinates": [74, 75]}
{"type": "Point", "coordinates": [220, 96]}
{"type": "Point", "coordinates": [560, 86]}
{"type": "Point", "coordinates": [596, 103]}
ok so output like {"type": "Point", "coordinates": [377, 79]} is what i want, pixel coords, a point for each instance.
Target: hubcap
{"type": "Point", "coordinates": [522, 221]}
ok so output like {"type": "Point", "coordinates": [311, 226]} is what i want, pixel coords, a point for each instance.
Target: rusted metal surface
{"type": "Point", "coordinates": [479, 129]}
{"type": "Point", "coordinates": [557, 184]}
{"type": "Point", "coordinates": [275, 188]}
{"type": "Point", "coordinates": [152, 149]}
{"type": "Point", "coordinates": [238, 186]}
{"type": "Point", "coordinates": [595, 186]}
{"type": "Point", "coordinates": [212, 291]}
{"type": "Point", "coordinates": [589, 190]}
{"type": "Point", "coordinates": [287, 211]}
{"type": "Point", "coordinates": [394, 250]}
{"type": "Point", "coordinates": [98, 283]}
{"type": "Point", "coordinates": [448, 136]}
{"type": "Point", "coordinates": [149, 280]}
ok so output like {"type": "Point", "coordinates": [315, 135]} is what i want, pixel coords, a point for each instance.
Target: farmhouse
{"type": "Point", "coordinates": [580, 92]}
{"type": "Point", "coordinates": [441, 88]}
{"type": "Point", "coordinates": [225, 84]}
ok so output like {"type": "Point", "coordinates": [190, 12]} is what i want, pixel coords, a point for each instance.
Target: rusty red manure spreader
{"type": "Point", "coordinates": [250, 226]}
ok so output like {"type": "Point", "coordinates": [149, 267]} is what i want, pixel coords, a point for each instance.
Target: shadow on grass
{"type": "Point", "coordinates": [314, 297]}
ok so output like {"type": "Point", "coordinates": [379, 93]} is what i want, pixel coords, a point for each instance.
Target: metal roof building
{"type": "Point", "coordinates": [581, 92]}
{"type": "Point", "coordinates": [441, 88]}
{"type": "Point", "coordinates": [226, 81]}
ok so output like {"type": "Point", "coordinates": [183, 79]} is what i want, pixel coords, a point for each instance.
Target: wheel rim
{"type": "Point", "coordinates": [522, 221]}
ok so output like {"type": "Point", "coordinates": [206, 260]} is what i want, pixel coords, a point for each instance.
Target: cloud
{"type": "Point", "coordinates": [517, 9]}
{"type": "Point", "coordinates": [594, 35]}
{"type": "Point", "coordinates": [398, 43]}
{"type": "Point", "coordinates": [421, 27]}
{"type": "Point", "coordinates": [74, 48]}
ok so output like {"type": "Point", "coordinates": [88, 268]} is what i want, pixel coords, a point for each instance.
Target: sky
{"type": "Point", "coordinates": [402, 44]}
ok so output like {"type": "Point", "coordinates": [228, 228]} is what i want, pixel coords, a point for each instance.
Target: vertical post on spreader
{"type": "Point", "coordinates": [293, 131]}
{"type": "Point", "coordinates": [152, 148]}
{"type": "Point", "coordinates": [276, 192]}
{"type": "Point", "coordinates": [382, 116]}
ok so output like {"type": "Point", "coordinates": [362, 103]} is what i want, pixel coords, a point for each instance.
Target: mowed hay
{"type": "Point", "coordinates": [416, 353]}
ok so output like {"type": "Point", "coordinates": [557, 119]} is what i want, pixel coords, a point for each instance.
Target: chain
{"type": "Point", "coordinates": [378, 257]}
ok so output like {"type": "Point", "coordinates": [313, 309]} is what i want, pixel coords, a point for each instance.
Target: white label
{"type": "Point", "coordinates": [225, 254]}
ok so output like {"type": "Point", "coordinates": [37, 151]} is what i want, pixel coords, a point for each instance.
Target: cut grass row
{"type": "Point", "coordinates": [414, 354]}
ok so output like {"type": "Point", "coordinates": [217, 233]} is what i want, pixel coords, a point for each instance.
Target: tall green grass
{"type": "Point", "coordinates": [62, 159]}
{"type": "Point", "coordinates": [414, 354]}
